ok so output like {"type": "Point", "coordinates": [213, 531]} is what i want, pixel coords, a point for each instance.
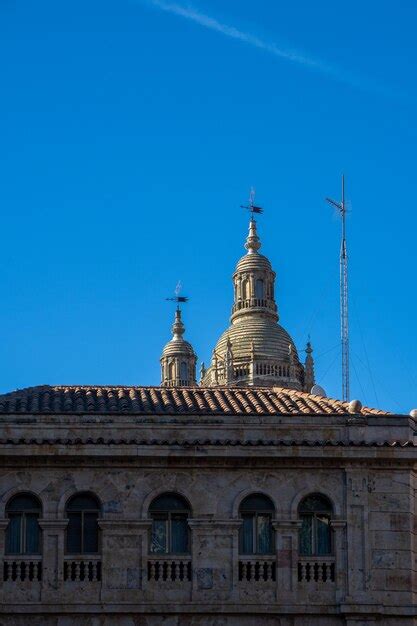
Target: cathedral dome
{"type": "Point", "coordinates": [255, 349]}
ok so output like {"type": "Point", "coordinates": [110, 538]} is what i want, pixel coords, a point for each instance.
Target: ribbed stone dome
{"type": "Point", "coordinates": [253, 261]}
{"type": "Point", "coordinates": [268, 339]}
{"type": "Point", "coordinates": [176, 347]}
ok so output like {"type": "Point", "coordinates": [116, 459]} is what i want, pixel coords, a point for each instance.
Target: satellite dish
{"type": "Point", "coordinates": [316, 390]}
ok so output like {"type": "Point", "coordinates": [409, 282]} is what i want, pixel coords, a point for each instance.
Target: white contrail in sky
{"type": "Point", "coordinates": [293, 56]}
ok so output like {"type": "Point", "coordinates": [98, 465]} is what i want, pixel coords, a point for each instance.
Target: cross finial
{"type": "Point", "coordinates": [251, 206]}
{"type": "Point", "coordinates": [177, 298]}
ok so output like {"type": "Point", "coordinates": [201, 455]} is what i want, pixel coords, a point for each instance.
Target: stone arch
{"type": "Point", "coordinates": [248, 492]}
{"type": "Point", "coordinates": [102, 492]}
{"type": "Point", "coordinates": [159, 491]}
{"type": "Point", "coordinates": [19, 490]}
{"type": "Point", "coordinates": [308, 491]}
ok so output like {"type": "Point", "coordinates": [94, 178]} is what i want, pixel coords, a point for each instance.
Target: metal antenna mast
{"type": "Point", "coordinates": [344, 320]}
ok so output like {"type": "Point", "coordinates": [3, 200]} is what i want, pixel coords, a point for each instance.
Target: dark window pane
{"type": "Point", "coordinates": [159, 536]}
{"type": "Point", "coordinates": [306, 544]}
{"type": "Point", "coordinates": [169, 502]}
{"type": "Point", "coordinates": [32, 533]}
{"type": "Point", "coordinates": [323, 535]}
{"type": "Point", "coordinates": [13, 535]}
{"type": "Point", "coordinates": [90, 533]}
{"type": "Point", "coordinates": [256, 502]}
{"type": "Point", "coordinates": [82, 502]}
{"type": "Point", "coordinates": [264, 534]}
{"type": "Point", "coordinates": [179, 535]}
{"type": "Point", "coordinates": [259, 289]}
{"type": "Point", "coordinates": [24, 502]}
{"type": "Point", "coordinates": [74, 533]}
{"type": "Point", "coordinates": [246, 534]}
{"type": "Point", "coordinates": [315, 503]}
{"type": "Point", "coordinates": [183, 371]}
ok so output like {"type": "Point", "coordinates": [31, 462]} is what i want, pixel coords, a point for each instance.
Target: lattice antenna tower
{"type": "Point", "coordinates": [344, 309]}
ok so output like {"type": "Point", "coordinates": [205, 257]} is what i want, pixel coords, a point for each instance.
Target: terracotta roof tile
{"type": "Point", "coordinates": [171, 401]}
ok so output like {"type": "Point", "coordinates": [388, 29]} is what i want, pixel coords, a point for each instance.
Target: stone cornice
{"type": "Point", "coordinates": [124, 525]}
{"type": "Point", "coordinates": [53, 524]}
{"type": "Point", "coordinates": [206, 524]}
{"type": "Point", "coordinates": [286, 524]}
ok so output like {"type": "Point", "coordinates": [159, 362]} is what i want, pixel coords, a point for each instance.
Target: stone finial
{"type": "Point", "coordinates": [253, 243]}
{"type": "Point", "coordinates": [309, 368]}
{"type": "Point", "coordinates": [355, 406]}
{"type": "Point", "coordinates": [228, 361]}
{"type": "Point", "coordinates": [202, 371]}
{"type": "Point", "coordinates": [178, 327]}
{"type": "Point", "coordinates": [413, 413]}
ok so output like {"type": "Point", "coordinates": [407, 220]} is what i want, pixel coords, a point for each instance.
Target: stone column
{"type": "Point", "coordinates": [339, 547]}
{"type": "Point", "coordinates": [53, 546]}
{"type": "Point", "coordinates": [124, 546]}
{"type": "Point", "coordinates": [286, 542]}
{"type": "Point", "coordinates": [215, 554]}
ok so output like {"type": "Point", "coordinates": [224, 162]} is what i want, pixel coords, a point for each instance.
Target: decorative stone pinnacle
{"type": "Point", "coordinates": [253, 243]}
{"type": "Point", "coordinates": [178, 327]}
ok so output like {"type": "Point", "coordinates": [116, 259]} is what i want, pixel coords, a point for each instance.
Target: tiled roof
{"type": "Point", "coordinates": [192, 443]}
{"type": "Point", "coordinates": [171, 401]}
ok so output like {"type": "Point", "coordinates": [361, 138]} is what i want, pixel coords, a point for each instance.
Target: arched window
{"type": "Point", "coordinates": [82, 511]}
{"type": "Point", "coordinates": [256, 535]}
{"type": "Point", "coordinates": [23, 532]}
{"type": "Point", "coordinates": [171, 370]}
{"type": "Point", "coordinates": [315, 535]}
{"type": "Point", "coordinates": [245, 289]}
{"type": "Point", "coordinates": [259, 289]}
{"type": "Point", "coordinates": [184, 371]}
{"type": "Point", "coordinates": [170, 533]}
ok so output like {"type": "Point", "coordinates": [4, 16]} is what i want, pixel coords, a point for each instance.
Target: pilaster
{"type": "Point", "coordinates": [53, 545]}
{"type": "Point", "coordinates": [215, 547]}
{"type": "Point", "coordinates": [124, 545]}
{"type": "Point", "coordinates": [286, 541]}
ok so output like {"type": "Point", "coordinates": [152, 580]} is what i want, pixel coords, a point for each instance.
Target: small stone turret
{"type": "Point", "coordinates": [178, 360]}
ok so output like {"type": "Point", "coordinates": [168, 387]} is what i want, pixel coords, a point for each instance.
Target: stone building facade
{"type": "Point", "coordinates": [243, 500]}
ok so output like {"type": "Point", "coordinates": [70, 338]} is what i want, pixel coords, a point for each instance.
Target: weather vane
{"type": "Point", "coordinates": [177, 298]}
{"type": "Point", "coordinates": [251, 206]}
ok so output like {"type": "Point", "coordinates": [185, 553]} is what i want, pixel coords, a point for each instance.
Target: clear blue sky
{"type": "Point", "coordinates": [130, 135]}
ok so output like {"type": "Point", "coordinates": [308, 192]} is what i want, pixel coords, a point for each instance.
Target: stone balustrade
{"type": "Point", "coordinates": [166, 568]}
{"type": "Point", "coordinates": [260, 569]}
{"type": "Point", "coordinates": [82, 569]}
{"type": "Point", "coordinates": [27, 568]}
{"type": "Point", "coordinates": [316, 570]}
